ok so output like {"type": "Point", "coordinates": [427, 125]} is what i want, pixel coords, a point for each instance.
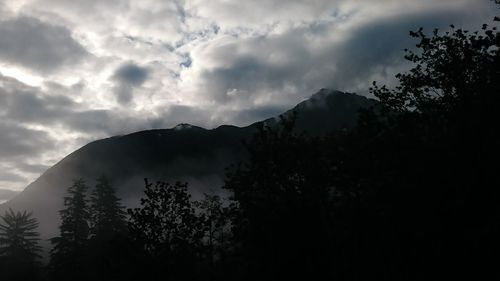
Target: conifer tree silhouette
{"type": "Point", "coordinates": [108, 233]}
{"type": "Point", "coordinates": [18, 238]}
{"type": "Point", "coordinates": [108, 215]}
{"type": "Point", "coordinates": [19, 249]}
{"type": "Point", "coordinates": [68, 256]}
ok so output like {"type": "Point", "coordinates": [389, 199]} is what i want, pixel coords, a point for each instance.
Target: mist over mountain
{"type": "Point", "coordinates": [6, 194]}
{"type": "Point", "coordinates": [185, 153]}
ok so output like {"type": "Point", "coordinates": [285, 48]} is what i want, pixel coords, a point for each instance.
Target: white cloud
{"type": "Point", "coordinates": [204, 62]}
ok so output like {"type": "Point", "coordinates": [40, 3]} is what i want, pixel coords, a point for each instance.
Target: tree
{"type": "Point", "coordinates": [215, 222]}
{"type": "Point", "coordinates": [429, 161]}
{"type": "Point", "coordinates": [108, 232]}
{"type": "Point", "coordinates": [18, 238]}
{"type": "Point", "coordinates": [70, 248]}
{"type": "Point", "coordinates": [19, 249]}
{"type": "Point", "coordinates": [167, 227]}
{"type": "Point", "coordinates": [283, 207]}
{"type": "Point", "coordinates": [108, 216]}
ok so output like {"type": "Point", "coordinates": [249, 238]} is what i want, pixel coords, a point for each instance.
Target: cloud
{"type": "Point", "coordinates": [19, 146]}
{"type": "Point", "coordinates": [6, 194]}
{"type": "Point", "coordinates": [37, 45]}
{"type": "Point", "coordinates": [29, 141]}
{"type": "Point", "coordinates": [128, 76]}
{"type": "Point", "coordinates": [27, 104]}
{"type": "Point", "coordinates": [76, 71]}
{"type": "Point", "coordinates": [281, 68]}
{"type": "Point", "coordinates": [10, 177]}
{"type": "Point", "coordinates": [131, 74]}
{"type": "Point", "coordinates": [16, 141]}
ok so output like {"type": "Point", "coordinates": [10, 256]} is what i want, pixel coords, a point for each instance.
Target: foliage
{"type": "Point", "coordinates": [18, 238]}
{"type": "Point", "coordinates": [410, 194]}
{"type": "Point", "coordinates": [108, 243]}
{"type": "Point", "coordinates": [215, 226]}
{"type": "Point", "coordinates": [108, 216]}
{"type": "Point", "coordinates": [453, 71]}
{"type": "Point", "coordinates": [19, 249]}
{"type": "Point", "coordinates": [168, 228]}
{"type": "Point", "coordinates": [429, 161]}
{"type": "Point", "coordinates": [214, 221]}
{"type": "Point", "coordinates": [166, 219]}
{"type": "Point", "coordinates": [69, 251]}
{"type": "Point", "coordinates": [282, 194]}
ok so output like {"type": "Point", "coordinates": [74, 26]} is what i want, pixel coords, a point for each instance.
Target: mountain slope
{"type": "Point", "coordinates": [185, 153]}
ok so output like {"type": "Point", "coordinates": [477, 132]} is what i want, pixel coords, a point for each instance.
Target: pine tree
{"type": "Point", "coordinates": [108, 234]}
{"type": "Point", "coordinates": [68, 254]}
{"type": "Point", "coordinates": [18, 238]}
{"type": "Point", "coordinates": [107, 213]}
{"type": "Point", "coordinates": [19, 249]}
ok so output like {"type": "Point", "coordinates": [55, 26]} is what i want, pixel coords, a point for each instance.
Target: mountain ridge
{"type": "Point", "coordinates": [184, 152]}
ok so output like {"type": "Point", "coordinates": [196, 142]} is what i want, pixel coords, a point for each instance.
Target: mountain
{"type": "Point", "coordinates": [185, 152]}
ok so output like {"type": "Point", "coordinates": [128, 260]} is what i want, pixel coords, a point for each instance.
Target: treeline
{"type": "Point", "coordinates": [170, 236]}
{"type": "Point", "coordinates": [410, 194]}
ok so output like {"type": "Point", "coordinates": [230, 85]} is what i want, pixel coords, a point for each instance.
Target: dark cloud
{"type": "Point", "coordinates": [115, 122]}
{"type": "Point", "coordinates": [36, 107]}
{"type": "Point", "coordinates": [17, 141]}
{"type": "Point", "coordinates": [103, 122]}
{"type": "Point", "coordinates": [131, 74]}
{"type": "Point", "coordinates": [177, 114]}
{"type": "Point", "coordinates": [294, 63]}
{"type": "Point", "coordinates": [10, 177]}
{"type": "Point", "coordinates": [128, 76]}
{"type": "Point", "coordinates": [248, 116]}
{"type": "Point", "coordinates": [32, 168]}
{"type": "Point", "coordinates": [201, 62]}
{"type": "Point", "coordinates": [24, 104]}
{"type": "Point", "coordinates": [6, 194]}
{"type": "Point", "coordinates": [375, 48]}
{"type": "Point", "coordinates": [38, 45]}
{"type": "Point", "coordinates": [21, 104]}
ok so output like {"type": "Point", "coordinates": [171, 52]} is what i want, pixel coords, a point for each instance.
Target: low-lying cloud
{"type": "Point", "coordinates": [6, 194]}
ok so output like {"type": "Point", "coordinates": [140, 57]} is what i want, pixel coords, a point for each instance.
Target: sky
{"type": "Point", "coordinates": [75, 71]}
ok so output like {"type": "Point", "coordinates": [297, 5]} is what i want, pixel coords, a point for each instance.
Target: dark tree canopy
{"type": "Point", "coordinates": [69, 251]}
{"type": "Point", "coordinates": [282, 194]}
{"type": "Point", "coordinates": [108, 216]}
{"type": "Point", "coordinates": [19, 249]}
{"type": "Point", "coordinates": [166, 219]}
{"type": "Point", "coordinates": [409, 194]}
{"type": "Point", "coordinates": [107, 245]}
{"type": "Point", "coordinates": [18, 236]}
{"type": "Point", "coordinates": [167, 227]}
{"type": "Point", "coordinates": [429, 160]}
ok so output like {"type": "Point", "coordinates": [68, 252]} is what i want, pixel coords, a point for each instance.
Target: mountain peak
{"type": "Point", "coordinates": [328, 98]}
{"type": "Point", "coordinates": [184, 152]}
{"type": "Point", "coordinates": [325, 93]}
{"type": "Point", "coordinates": [183, 126]}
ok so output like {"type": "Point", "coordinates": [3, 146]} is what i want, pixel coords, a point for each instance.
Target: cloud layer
{"type": "Point", "coordinates": [76, 71]}
{"type": "Point", "coordinates": [37, 45]}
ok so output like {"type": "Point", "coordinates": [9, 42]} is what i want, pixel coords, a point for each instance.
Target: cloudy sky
{"type": "Point", "coordinates": [75, 71]}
